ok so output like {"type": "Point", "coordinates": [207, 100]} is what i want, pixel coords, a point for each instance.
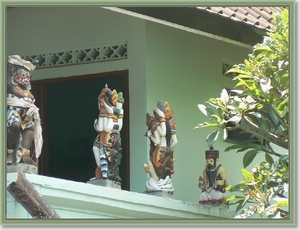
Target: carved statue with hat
{"type": "Point", "coordinates": [22, 115]}
{"type": "Point", "coordinates": [213, 181]}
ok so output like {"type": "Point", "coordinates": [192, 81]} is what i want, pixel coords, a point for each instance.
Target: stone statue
{"type": "Point", "coordinates": [214, 180]}
{"type": "Point", "coordinates": [107, 145]}
{"type": "Point", "coordinates": [22, 116]}
{"type": "Point", "coordinates": [161, 132]}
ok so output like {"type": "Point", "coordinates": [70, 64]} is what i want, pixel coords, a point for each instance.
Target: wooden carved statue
{"type": "Point", "coordinates": [107, 145]}
{"type": "Point", "coordinates": [161, 132]}
{"type": "Point", "coordinates": [22, 116]}
{"type": "Point", "coordinates": [213, 181]}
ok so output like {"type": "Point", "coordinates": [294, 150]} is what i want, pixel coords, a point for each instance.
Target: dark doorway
{"type": "Point", "coordinates": [68, 108]}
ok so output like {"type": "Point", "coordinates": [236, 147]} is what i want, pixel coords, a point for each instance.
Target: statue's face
{"type": "Point", "coordinates": [23, 77]}
{"type": "Point", "coordinates": [108, 97]}
{"type": "Point", "coordinates": [210, 161]}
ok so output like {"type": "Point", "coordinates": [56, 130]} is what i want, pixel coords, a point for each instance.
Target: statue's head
{"type": "Point", "coordinates": [19, 71]}
{"type": "Point", "coordinates": [212, 156]}
{"type": "Point", "coordinates": [106, 95]}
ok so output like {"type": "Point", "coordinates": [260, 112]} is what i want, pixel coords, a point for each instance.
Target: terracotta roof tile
{"type": "Point", "coordinates": [260, 17]}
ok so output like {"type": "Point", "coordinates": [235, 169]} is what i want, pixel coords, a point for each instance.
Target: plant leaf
{"type": "Point", "coordinates": [248, 176]}
{"type": "Point", "coordinates": [225, 134]}
{"type": "Point", "coordinates": [212, 137]}
{"type": "Point", "coordinates": [224, 96]}
{"type": "Point", "coordinates": [202, 108]}
{"type": "Point", "coordinates": [249, 156]}
{"type": "Point", "coordinates": [269, 159]}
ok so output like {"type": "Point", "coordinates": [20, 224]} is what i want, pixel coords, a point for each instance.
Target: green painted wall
{"type": "Point", "coordinates": [54, 29]}
{"type": "Point", "coordinates": [185, 69]}
{"type": "Point", "coordinates": [164, 63]}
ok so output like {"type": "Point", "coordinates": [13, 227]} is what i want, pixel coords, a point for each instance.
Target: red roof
{"type": "Point", "coordinates": [260, 17]}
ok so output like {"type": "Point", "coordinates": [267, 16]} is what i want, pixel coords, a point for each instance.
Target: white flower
{"type": "Point", "coordinates": [257, 195]}
{"type": "Point", "coordinates": [265, 84]}
{"type": "Point", "coordinates": [286, 187]}
{"type": "Point", "coordinates": [244, 215]}
{"type": "Point", "coordinates": [236, 98]}
{"type": "Point", "coordinates": [242, 105]}
{"type": "Point", "coordinates": [266, 39]}
{"type": "Point", "coordinates": [249, 99]}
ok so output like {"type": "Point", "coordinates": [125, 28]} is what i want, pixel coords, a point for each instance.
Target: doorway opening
{"type": "Point", "coordinates": [68, 108]}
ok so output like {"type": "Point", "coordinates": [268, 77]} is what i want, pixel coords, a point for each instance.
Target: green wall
{"type": "Point", "coordinates": [185, 69]}
{"type": "Point", "coordinates": [164, 63]}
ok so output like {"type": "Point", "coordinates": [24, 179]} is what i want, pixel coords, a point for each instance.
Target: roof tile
{"type": "Point", "coordinates": [260, 17]}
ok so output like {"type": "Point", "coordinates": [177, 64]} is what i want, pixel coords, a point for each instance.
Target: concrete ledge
{"type": "Point", "coordinates": [78, 200]}
{"type": "Point", "coordinates": [160, 193]}
{"type": "Point", "coordinates": [22, 167]}
{"type": "Point", "coordinates": [105, 183]}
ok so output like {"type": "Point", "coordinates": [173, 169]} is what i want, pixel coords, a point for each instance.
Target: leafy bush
{"type": "Point", "coordinates": [258, 105]}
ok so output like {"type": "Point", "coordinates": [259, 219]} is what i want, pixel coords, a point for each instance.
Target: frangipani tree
{"type": "Point", "coordinates": [258, 105]}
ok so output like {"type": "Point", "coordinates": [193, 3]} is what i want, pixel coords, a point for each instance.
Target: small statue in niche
{"type": "Point", "coordinates": [22, 115]}
{"type": "Point", "coordinates": [162, 135]}
{"type": "Point", "coordinates": [214, 180]}
{"type": "Point", "coordinates": [107, 145]}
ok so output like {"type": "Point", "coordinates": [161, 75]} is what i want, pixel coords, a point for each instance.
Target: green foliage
{"type": "Point", "coordinates": [258, 105]}
{"type": "Point", "coordinates": [265, 188]}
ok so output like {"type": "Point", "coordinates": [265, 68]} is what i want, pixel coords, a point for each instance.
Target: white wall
{"type": "Point", "coordinates": [164, 63]}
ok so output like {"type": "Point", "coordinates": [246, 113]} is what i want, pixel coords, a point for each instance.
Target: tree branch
{"type": "Point", "coordinates": [258, 132]}
{"type": "Point", "coordinates": [23, 191]}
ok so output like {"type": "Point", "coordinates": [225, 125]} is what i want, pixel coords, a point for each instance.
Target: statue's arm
{"type": "Point", "coordinates": [120, 120]}
{"type": "Point", "coordinates": [174, 141]}
{"type": "Point", "coordinates": [108, 120]}
{"type": "Point", "coordinates": [155, 137]}
{"type": "Point", "coordinates": [224, 179]}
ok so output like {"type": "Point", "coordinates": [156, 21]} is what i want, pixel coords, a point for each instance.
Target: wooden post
{"type": "Point", "coordinates": [24, 192]}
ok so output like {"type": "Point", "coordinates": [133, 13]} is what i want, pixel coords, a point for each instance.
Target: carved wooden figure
{"type": "Point", "coordinates": [213, 181]}
{"type": "Point", "coordinates": [161, 132]}
{"type": "Point", "coordinates": [107, 145]}
{"type": "Point", "coordinates": [22, 116]}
